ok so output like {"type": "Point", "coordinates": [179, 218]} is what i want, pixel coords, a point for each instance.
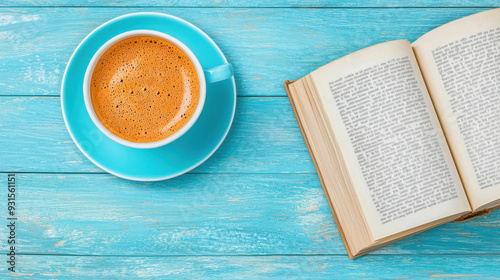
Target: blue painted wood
{"type": "Point", "coordinates": [256, 208]}
{"type": "Point", "coordinates": [266, 46]}
{"type": "Point", "coordinates": [252, 3]}
{"type": "Point", "coordinates": [201, 214]}
{"type": "Point", "coordinates": [264, 138]}
{"type": "Point", "coordinates": [259, 267]}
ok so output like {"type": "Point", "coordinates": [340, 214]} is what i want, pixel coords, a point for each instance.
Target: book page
{"type": "Point", "coordinates": [460, 62]}
{"type": "Point", "coordinates": [389, 135]}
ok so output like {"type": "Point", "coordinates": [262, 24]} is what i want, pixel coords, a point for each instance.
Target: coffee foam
{"type": "Point", "coordinates": [144, 89]}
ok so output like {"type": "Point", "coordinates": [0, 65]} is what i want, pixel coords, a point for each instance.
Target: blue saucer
{"type": "Point", "coordinates": [176, 158]}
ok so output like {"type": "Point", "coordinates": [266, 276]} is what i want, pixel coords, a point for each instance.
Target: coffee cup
{"type": "Point", "coordinates": [200, 79]}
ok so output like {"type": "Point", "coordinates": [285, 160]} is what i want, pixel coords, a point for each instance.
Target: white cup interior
{"type": "Point", "coordinates": [88, 78]}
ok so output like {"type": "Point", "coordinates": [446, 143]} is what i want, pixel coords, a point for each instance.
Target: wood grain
{"type": "Point", "coordinates": [256, 208]}
{"type": "Point", "coordinates": [258, 267]}
{"type": "Point", "coordinates": [250, 3]}
{"type": "Point", "coordinates": [266, 46]}
{"type": "Point", "coordinates": [201, 214]}
{"type": "Point", "coordinates": [264, 138]}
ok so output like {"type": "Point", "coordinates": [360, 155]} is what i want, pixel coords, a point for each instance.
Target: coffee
{"type": "Point", "coordinates": [144, 89]}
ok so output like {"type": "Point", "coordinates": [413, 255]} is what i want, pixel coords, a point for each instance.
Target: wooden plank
{"type": "Point", "coordinates": [266, 46]}
{"type": "Point", "coordinates": [250, 3]}
{"type": "Point", "coordinates": [264, 138]}
{"type": "Point", "coordinates": [257, 267]}
{"type": "Point", "coordinates": [200, 214]}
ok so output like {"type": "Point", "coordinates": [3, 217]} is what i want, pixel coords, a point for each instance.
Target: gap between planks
{"type": "Point", "coordinates": [249, 255]}
{"type": "Point", "coordinates": [251, 7]}
{"type": "Point", "coordinates": [192, 173]}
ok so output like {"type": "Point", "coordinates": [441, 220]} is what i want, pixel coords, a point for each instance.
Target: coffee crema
{"type": "Point", "coordinates": [144, 89]}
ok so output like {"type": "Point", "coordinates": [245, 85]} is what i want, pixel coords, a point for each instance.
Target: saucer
{"type": "Point", "coordinates": [175, 158]}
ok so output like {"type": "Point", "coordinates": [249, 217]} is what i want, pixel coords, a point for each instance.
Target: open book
{"type": "Point", "coordinates": [405, 136]}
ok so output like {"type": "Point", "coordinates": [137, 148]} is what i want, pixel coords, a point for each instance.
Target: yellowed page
{"type": "Point", "coordinates": [390, 137]}
{"type": "Point", "coordinates": [460, 62]}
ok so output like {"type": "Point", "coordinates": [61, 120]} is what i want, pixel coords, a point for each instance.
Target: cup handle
{"type": "Point", "coordinates": [218, 73]}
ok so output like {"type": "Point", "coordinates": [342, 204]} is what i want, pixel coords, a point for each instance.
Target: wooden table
{"type": "Point", "coordinates": [256, 207]}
